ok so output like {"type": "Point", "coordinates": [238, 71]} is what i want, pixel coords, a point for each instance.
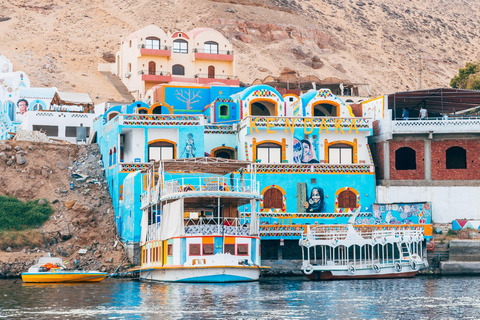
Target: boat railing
{"type": "Point", "coordinates": [203, 184]}
{"type": "Point", "coordinates": [209, 226]}
{"type": "Point", "coordinates": [153, 232]}
{"type": "Point", "coordinates": [340, 232]}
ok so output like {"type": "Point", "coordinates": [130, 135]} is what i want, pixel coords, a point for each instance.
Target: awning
{"type": "Point", "coordinates": [203, 165]}
{"type": "Point", "coordinates": [72, 99]}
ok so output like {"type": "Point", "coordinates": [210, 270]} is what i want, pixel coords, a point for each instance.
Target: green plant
{"type": "Point", "coordinates": [18, 215]}
{"type": "Point", "coordinates": [467, 78]}
{"type": "Point", "coordinates": [19, 239]}
{"type": "Point", "coordinates": [451, 233]}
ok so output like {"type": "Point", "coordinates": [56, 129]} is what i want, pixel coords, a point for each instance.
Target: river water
{"type": "Point", "coordinates": [271, 298]}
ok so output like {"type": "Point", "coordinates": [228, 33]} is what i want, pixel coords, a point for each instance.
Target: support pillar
{"type": "Point", "coordinates": [427, 156]}
{"type": "Point", "coordinates": [386, 160]}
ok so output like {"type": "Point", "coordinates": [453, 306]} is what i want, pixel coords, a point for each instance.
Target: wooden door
{"type": "Point", "coordinates": [211, 72]}
{"type": "Point", "coordinates": [151, 67]}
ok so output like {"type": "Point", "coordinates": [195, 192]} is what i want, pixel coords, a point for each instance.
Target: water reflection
{"type": "Point", "coordinates": [271, 298]}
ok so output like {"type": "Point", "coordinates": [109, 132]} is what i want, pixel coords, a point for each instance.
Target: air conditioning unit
{"type": "Point", "coordinates": [127, 75]}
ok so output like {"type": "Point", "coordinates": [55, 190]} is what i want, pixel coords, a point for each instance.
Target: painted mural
{"type": "Point", "coordinates": [189, 150]}
{"type": "Point", "coordinates": [305, 151]}
{"type": "Point", "coordinates": [399, 213]}
{"type": "Point", "coordinates": [316, 200]}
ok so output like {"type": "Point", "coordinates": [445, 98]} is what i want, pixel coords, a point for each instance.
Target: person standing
{"type": "Point", "coordinates": [423, 113]}
{"type": "Point", "coordinates": [405, 114]}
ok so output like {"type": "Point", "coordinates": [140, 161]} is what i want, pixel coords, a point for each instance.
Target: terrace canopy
{"type": "Point", "coordinates": [211, 165]}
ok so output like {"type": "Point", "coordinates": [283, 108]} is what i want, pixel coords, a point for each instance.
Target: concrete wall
{"type": "Point", "coordinates": [464, 250]}
{"type": "Point", "coordinates": [449, 202]}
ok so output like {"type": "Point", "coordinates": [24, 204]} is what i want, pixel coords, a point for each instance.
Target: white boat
{"type": "Point", "coordinates": [191, 225]}
{"type": "Point", "coordinates": [336, 252]}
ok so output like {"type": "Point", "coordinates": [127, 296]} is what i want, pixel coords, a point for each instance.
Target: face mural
{"type": "Point", "coordinates": [22, 105]}
{"type": "Point", "coordinates": [304, 151]}
{"type": "Point", "coordinates": [190, 148]}
{"type": "Point", "coordinates": [315, 202]}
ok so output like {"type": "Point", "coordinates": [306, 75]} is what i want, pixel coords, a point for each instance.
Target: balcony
{"type": "Point", "coordinates": [162, 51]}
{"type": "Point", "coordinates": [145, 120]}
{"type": "Point", "coordinates": [437, 125]}
{"type": "Point", "coordinates": [210, 184]}
{"type": "Point", "coordinates": [227, 79]}
{"type": "Point", "coordinates": [157, 76]}
{"type": "Point", "coordinates": [219, 55]}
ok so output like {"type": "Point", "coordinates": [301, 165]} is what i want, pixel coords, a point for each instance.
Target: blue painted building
{"type": "Point", "coordinates": [311, 153]}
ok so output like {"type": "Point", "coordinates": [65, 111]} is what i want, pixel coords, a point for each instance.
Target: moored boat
{"type": "Point", "coordinates": [50, 269]}
{"type": "Point", "coordinates": [191, 226]}
{"type": "Point", "coordinates": [337, 252]}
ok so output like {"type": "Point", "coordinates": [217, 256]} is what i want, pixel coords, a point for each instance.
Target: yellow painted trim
{"type": "Point", "coordinates": [282, 144]}
{"type": "Point", "coordinates": [354, 144]}
{"type": "Point", "coordinates": [219, 148]}
{"type": "Point", "coordinates": [169, 141]}
{"type": "Point", "coordinates": [336, 104]}
{"type": "Point", "coordinates": [160, 104]}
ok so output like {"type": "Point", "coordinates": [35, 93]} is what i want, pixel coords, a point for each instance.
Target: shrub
{"type": "Point", "coordinates": [450, 232]}
{"type": "Point", "coordinates": [19, 239]}
{"type": "Point", "coordinates": [18, 215]}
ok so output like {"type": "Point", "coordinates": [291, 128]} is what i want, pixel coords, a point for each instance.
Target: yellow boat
{"type": "Point", "coordinates": [49, 269]}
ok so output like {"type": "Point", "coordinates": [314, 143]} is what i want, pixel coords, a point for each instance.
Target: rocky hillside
{"type": "Point", "coordinates": [382, 42]}
{"type": "Point", "coordinates": [83, 217]}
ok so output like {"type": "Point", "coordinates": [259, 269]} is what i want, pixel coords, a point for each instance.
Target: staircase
{"type": "Point", "coordinates": [6, 126]}
{"type": "Point", "coordinates": [118, 84]}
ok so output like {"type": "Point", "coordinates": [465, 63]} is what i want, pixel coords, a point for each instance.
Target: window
{"type": "Point", "coordinates": [242, 249]}
{"type": "Point", "coordinates": [230, 248]}
{"type": "Point", "coordinates": [194, 249]}
{"type": "Point", "coordinates": [224, 110]}
{"type": "Point", "coordinates": [208, 249]}
{"type": "Point", "coordinates": [51, 131]}
{"type": "Point", "coordinates": [211, 47]}
{"type": "Point", "coordinates": [152, 43]}
{"type": "Point", "coordinates": [129, 67]}
{"type": "Point", "coordinates": [405, 159]}
{"type": "Point", "coordinates": [169, 250]}
{"type": "Point", "coordinates": [273, 199]}
{"type": "Point", "coordinates": [269, 153]}
{"type": "Point", "coordinates": [178, 70]}
{"type": "Point", "coordinates": [37, 107]}
{"type": "Point", "coordinates": [340, 153]}
{"type": "Point", "coordinates": [161, 150]}
{"type": "Point", "coordinates": [456, 158]}
{"type": "Point", "coordinates": [180, 46]}
{"type": "Point", "coordinates": [71, 132]}
{"type": "Point", "coordinates": [224, 153]}
{"type": "Point", "coordinates": [347, 199]}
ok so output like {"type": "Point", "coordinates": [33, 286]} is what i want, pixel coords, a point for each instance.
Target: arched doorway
{"type": "Point", "coordinates": [225, 153]}
{"type": "Point", "coordinates": [157, 110]}
{"type": "Point", "coordinates": [405, 159]}
{"type": "Point", "coordinates": [347, 199]}
{"type": "Point", "coordinates": [211, 72]}
{"type": "Point", "coordinates": [456, 158]}
{"type": "Point", "coordinates": [273, 199]}
{"type": "Point", "coordinates": [10, 107]}
{"type": "Point", "coordinates": [324, 110]}
{"type": "Point", "coordinates": [151, 67]}
{"type": "Point", "coordinates": [263, 108]}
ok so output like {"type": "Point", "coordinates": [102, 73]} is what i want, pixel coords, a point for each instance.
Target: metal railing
{"type": "Point", "coordinates": [155, 73]}
{"type": "Point", "coordinates": [437, 125]}
{"type": "Point", "coordinates": [143, 46]}
{"type": "Point", "coordinates": [203, 184]}
{"type": "Point", "coordinates": [216, 76]}
{"type": "Point", "coordinates": [329, 232]}
{"type": "Point", "coordinates": [210, 51]}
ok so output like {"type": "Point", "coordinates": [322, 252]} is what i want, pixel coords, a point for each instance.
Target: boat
{"type": "Point", "coordinates": [192, 229]}
{"type": "Point", "coordinates": [340, 252]}
{"type": "Point", "coordinates": [52, 269]}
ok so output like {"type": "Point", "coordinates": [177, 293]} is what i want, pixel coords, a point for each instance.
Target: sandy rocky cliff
{"type": "Point", "coordinates": [83, 218]}
{"type": "Point", "coordinates": [382, 42]}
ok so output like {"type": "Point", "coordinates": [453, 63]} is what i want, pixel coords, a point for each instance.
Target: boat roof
{"type": "Point", "coordinates": [204, 165]}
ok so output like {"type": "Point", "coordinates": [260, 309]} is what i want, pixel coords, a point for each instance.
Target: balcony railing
{"type": "Point", "coordinates": [143, 46]}
{"type": "Point", "coordinates": [438, 125]}
{"type": "Point", "coordinates": [203, 184]}
{"type": "Point", "coordinates": [160, 120]}
{"type": "Point", "coordinates": [216, 76]}
{"type": "Point", "coordinates": [227, 52]}
{"type": "Point", "coordinates": [155, 73]}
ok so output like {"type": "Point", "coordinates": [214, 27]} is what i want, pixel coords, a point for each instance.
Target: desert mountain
{"type": "Point", "coordinates": [381, 42]}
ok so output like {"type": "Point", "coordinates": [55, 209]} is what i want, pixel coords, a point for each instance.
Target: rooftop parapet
{"type": "Point", "coordinates": [438, 125]}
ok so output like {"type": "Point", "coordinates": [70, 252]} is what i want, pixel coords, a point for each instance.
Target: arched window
{"type": "Point", "coordinates": [152, 43]}
{"type": "Point", "coordinates": [110, 158]}
{"type": "Point", "coordinates": [157, 110]}
{"type": "Point", "coordinates": [112, 115]}
{"type": "Point", "coordinates": [224, 153]}
{"type": "Point", "coordinates": [405, 159]}
{"type": "Point", "coordinates": [347, 199]}
{"type": "Point", "coordinates": [456, 158]}
{"type": "Point", "coordinates": [210, 47]}
{"type": "Point", "coordinates": [114, 159]}
{"type": "Point", "coordinates": [178, 70]}
{"type": "Point", "coordinates": [340, 153]}
{"type": "Point", "coordinates": [211, 72]}
{"type": "Point", "coordinates": [273, 199]}
{"type": "Point", "coordinates": [224, 111]}
{"type": "Point", "coordinates": [151, 67]}
{"type": "Point", "coordinates": [161, 150]}
{"type": "Point", "coordinates": [269, 153]}
{"type": "Point", "coordinates": [180, 46]}
{"type": "Point", "coordinates": [262, 108]}
{"type": "Point", "coordinates": [324, 110]}
{"type": "Point", "coordinates": [142, 111]}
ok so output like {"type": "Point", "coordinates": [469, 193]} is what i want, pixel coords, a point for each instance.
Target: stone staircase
{"type": "Point", "coordinates": [118, 84]}
{"type": "Point", "coordinates": [6, 126]}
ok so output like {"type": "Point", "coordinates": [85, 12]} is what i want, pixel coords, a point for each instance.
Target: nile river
{"type": "Point", "coordinates": [271, 298]}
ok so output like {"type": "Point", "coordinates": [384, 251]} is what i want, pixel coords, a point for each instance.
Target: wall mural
{"type": "Point", "coordinates": [399, 213]}
{"type": "Point", "coordinates": [316, 200]}
{"type": "Point", "coordinates": [190, 148]}
{"type": "Point", "coordinates": [305, 151]}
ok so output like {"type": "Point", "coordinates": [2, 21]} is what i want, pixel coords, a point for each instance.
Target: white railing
{"type": "Point", "coordinates": [465, 124]}
{"type": "Point", "coordinates": [203, 184]}
{"type": "Point", "coordinates": [329, 232]}
{"type": "Point", "coordinates": [153, 232]}
{"type": "Point", "coordinates": [160, 120]}
{"type": "Point", "coordinates": [301, 122]}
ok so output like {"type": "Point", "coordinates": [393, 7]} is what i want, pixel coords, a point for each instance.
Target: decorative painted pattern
{"type": "Point", "coordinates": [279, 122]}
{"type": "Point", "coordinates": [344, 210]}
{"type": "Point", "coordinates": [274, 210]}
{"type": "Point", "coordinates": [246, 152]}
{"type": "Point", "coordinates": [282, 231]}
{"type": "Point", "coordinates": [227, 99]}
{"type": "Point", "coordinates": [133, 167]}
{"type": "Point", "coordinates": [263, 93]}
{"type": "Point", "coordinates": [440, 126]}
{"type": "Point", "coordinates": [219, 129]}
{"type": "Point", "coordinates": [307, 215]}
{"type": "Point", "coordinates": [369, 153]}
{"type": "Point", "coordinates": [160, 120]}
{"type": "Point", "coordinates": [316, 168]}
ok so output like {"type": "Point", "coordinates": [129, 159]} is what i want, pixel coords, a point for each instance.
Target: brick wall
{"type": "Point", "coordinates": [439, 167]}
{"type": "Point", "coordinates": [419, 172]}
{"type": "Point", "coordinates": [377, 155]}
{"type": "Point", "coordinates": [356, 109]}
